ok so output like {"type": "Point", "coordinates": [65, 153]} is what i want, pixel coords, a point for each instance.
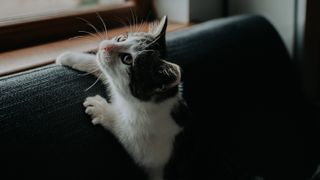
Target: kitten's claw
{"type": "Point", "coordinates": [97, 108]}
{"type": "Point", "coordinates": [94, 115]}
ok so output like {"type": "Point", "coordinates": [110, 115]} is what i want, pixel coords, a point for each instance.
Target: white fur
{"type": "Point", "coordinates": [146, 129]}
{"type": "Point", "coordinates": [79, 61]}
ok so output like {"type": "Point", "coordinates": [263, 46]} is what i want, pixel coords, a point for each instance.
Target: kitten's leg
{"type": "Point", "coordinates": [79, 61]}
{"type": "Point", "coordinates": [155, 173]}
{"type": "Point", "coordinates": [100, 111]}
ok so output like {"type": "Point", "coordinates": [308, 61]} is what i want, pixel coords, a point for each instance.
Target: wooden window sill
{"type": "Point", "coordinates": [36, 56]}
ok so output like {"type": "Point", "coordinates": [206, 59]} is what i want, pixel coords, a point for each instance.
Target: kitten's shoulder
{"type": "Point", "coordinates": [181, 113]}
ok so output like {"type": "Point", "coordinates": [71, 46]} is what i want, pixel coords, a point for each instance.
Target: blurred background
{"type": "Point", "coordinates": [15, 9]}
{"type": "Point", "coordinates": [297, 22]}
{"type": "Point", "coordinates": [288, 16]}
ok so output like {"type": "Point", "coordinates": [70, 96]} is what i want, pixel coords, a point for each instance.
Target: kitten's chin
{"type": "Point", "coordinates": [104, 59]}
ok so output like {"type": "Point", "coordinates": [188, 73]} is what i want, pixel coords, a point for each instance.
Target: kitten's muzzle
{"type": "Point", "coordinates": [110, 48]}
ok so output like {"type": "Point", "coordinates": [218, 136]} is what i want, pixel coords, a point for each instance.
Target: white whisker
{"type": "Point", "coordinates": [123, 23]}
{"type": "Point", "coordinates": [133, 20]}
{"type": "Point", "coordinates": [76, 37]}
{"type": "Point", "coordinates": [136, 24]}
{"type": "Point", "coordinates": [90, 33]}
{"type": "Point", "coordinates": [81, 37]}
{"type": "Point", "coordinates": [90, 72]}
{"type": "Point", "coordinates": [92, 26]}
{"type": "Point", "coordinates": [166, 72]}
{"type": "Point", "coordinates": [145, 51]}
{"type": "Point", "coordinates": [130, 26]}
{"type": "Point", "coordinates": [143, 22]}
{"type": "Point", "coordinates": [94, 82]}
{"type": "Point", "coordinates": [104, 25]}
{"type": "Point", "coordinates": [152, 42]}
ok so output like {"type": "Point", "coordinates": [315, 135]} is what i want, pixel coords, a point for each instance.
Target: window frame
{"type": "Point", "coordinates": [27, 33]}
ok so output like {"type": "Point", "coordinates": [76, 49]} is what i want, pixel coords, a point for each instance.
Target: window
{"type": "Point", "coordinates": [17, 10]}
{"type": "Point", "coordinates": [29, 22]}
{"type": "Point", "coordinates": [31, 38]}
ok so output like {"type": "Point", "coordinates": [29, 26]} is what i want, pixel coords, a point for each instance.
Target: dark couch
{"type": "Point", "coordinates": [249, 117]}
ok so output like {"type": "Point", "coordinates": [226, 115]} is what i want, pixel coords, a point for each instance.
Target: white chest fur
{"type": "Point", "coordinates": [146, 130]}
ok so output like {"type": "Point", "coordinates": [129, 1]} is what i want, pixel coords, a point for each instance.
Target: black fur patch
{"type": "Point", "coordinates": [147, 78]}
{"type": "Point", "coordinates": [181, 114]}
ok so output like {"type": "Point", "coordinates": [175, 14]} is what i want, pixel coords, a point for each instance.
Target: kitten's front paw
{"type": "Point", "coordinates": [97, 108]}
{"type": "Point", "coordinates": [66, 59]}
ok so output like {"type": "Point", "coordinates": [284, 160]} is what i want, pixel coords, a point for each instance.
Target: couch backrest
{"type": "Point", "coordinates": [244, 61]}
{"type": "Point", "coordinates": [232, 68]}
{"type": "Point", "coordinates": [244, 91]}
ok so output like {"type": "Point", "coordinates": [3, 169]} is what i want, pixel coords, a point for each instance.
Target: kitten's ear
{"type": "Point", "coordinates": [168, 75]}
{"type": "Point", "coordinates": [158, 30]}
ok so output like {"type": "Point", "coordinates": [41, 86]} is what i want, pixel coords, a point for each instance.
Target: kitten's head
{"type": "Point", "coordinates": [134, 63]}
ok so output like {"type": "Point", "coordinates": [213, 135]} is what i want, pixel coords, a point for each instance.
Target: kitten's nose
{"type": "Point", "coordinates": [110, 47]}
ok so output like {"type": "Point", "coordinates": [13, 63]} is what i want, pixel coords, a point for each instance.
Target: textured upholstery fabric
{"type": "Point", "coordinates": [249, 116]}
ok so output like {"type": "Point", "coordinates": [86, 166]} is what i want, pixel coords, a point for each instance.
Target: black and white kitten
{"type": "Point", "coordinates": [144, 90]}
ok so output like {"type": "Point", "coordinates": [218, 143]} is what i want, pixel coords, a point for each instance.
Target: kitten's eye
{"type": "Point", "coordinates": [126, 59]}
{"type": "Point", "coordinates": [121, 38]}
